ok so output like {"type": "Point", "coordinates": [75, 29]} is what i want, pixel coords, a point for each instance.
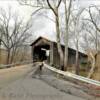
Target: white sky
{"type": "Point", "coordinates": [23, 11]}
{"type": "Point", "coordinates": [47, 29]}
{"type": "Point", "coordinates": [85, 3]}
{"type": "Point", "coordinates": [26, 11]}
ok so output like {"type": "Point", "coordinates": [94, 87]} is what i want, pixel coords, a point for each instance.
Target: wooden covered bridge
{"type": "Point", "coordinates": [46, 50]}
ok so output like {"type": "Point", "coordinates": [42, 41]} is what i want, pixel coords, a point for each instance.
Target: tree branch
{"type": "Point", "coordinates": [51, 7]}
{"type": "Point", "coordinates": [59, 2]}
{"type": "Point", "coordinates": [93, 20]}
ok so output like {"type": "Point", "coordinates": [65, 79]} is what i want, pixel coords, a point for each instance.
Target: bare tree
{"type": "Point", "coordinates": [54, 7]}
{"type": "Point", "coordinates": [13, 31]}
{"type": "Point", "coordinates": [92, 17]}
{"type": "Point", "coordinates": [67, 18]}
{"type": "Point", "coordinates": [56, 13]}
{"type": "Point", "coordinates": [76, 32]}
{"type": "Point", "coordinates": [95, 21]}
{"type": "Point", "coordinates": [93, 30]}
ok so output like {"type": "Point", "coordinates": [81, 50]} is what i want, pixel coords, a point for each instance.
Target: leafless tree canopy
{"type": "Point", "coordinates": [85, 31]}
{"type": "Point", "coordinates": [14, 32]}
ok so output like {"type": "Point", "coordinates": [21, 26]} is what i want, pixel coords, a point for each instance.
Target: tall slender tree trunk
{"type": "Point", "coordinates": [66, 36]}
{"type": "Point", "coordinates": [8, 56]}
{"type": "Point", "coordinates": [60, 51]}
{"type": "Point", "coordinates": [96, 41]}
{"type": "Point", "coordinates": [93, 63]}
{"type": "Point", "coordinates": [77, 60]}
{"type": "Point", "coordinates": [12, 55]}
{"type": "Point", "coordinates": [66, 50]}
{"type": "Point", "coordinates": [55, 12]}
{"type": "Point", "coordinates": [0, 50]}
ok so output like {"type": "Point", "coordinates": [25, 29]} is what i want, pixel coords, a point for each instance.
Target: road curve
{"type": "Point", "coordinates": [28, 88]}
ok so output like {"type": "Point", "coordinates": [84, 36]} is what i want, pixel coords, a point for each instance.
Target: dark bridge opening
{"type": "Point", "coordinates": [41, 53]}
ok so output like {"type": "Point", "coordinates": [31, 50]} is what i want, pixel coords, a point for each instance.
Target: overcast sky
{"type": "Point", "coordinates": [26, 11]}
{"type": "Point", "coordinates": [22, 10]}
{"type": "Point", "coordinates": [41, 25]}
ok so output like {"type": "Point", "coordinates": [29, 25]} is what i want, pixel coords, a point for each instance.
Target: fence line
{"type": "Point", "coordinates": [74, 76]}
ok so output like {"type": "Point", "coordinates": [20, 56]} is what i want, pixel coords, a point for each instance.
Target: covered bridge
{"type": "Point", "coordinates": [46, 50]}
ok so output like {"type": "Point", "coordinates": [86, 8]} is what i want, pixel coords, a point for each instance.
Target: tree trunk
{"type": "Point", "coordinates": [77, 62]}
{"type": "Point", "coordinates": [66, 40]}
{"type": "Point", "coordinates": [67, 17]}
{"type": "Point", "coordinates": [8, 56]}
{"type": "Point", "coordinates": [77, 59]}
{"type": "Point", "coordinates": [93, 65]}
{"type": "Point", "coordinates": [0, 50]}
{"type": "Point", "coordinates": [60, 51]}
{"type": "Point", "coordinates": [66, 50]}
{"type": "Point", "coordinates": [12, 55]}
